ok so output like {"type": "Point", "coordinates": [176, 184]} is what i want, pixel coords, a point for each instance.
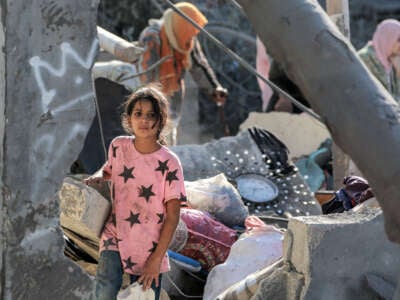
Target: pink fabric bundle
{"type": "Point", "coordinates": [386, 34]}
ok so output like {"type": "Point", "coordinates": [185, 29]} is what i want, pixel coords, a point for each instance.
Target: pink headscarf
{"type": "Point", "coordinates": [263, 65]}
{"type": "Point", "coordinates": [386, 34]}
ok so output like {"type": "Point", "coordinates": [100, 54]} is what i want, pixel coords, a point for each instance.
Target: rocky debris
{"type": "Point", "coordinates": [331, 255]}
{"type": "Point", "coordinates": [344, 256]}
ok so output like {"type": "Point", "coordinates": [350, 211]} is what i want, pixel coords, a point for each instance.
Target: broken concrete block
{"type": "Point", "coordinates": [281, 284]}
{"type": "Point", "coordinates": [335, 252]}
{"type": "Point", "coordinates": [83, 210]}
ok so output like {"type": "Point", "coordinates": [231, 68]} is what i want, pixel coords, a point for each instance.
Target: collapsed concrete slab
{"type": "Point", "coordinates": [335, 255]}
{"type": "Point", "coordinates": [47, 104]}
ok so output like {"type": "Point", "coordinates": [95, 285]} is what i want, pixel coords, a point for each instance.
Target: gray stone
{"type": "Point", "coordinates": [331, 257]}
{"type": "Point", "coordinates": [82, 209]}
{"type": "Point", "coordinates": [282, 284]}
{"type": "Point", "coordinates": [335, 252]}
{"type": "Point", "coordinates": [378, 284]}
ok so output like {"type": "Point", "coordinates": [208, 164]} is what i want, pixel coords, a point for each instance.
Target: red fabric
{"type": "Point", "coordinates": [209, 241]}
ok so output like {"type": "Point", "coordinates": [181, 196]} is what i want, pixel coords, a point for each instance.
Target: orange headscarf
{"type": "Point", "coordinates": [176, 36]}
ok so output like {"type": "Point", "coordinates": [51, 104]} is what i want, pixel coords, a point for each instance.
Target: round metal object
{"type": "Point", "coordinates": [256, 188]}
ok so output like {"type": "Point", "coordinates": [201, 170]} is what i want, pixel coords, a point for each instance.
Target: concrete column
{"type": "Point", "coordinates": [48, 48]}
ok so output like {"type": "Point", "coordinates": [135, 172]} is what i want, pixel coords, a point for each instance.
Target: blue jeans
{"type": "Point", "coordinates": [109, 277]}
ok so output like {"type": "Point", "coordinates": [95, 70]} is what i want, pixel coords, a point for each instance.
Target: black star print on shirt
{"type": "Point", "coordinates": [133, 219]}
{"type": "Point", "coordinates": [146, 192]}
{"type": "Point", "coordinates": [108, 243]}
{"type": "Point", "coordinates": [171, 176]}
{"type": "Point", "coordinates": [162, 166]}
{"type": "Point", "coordinates": [154, 247]}
{"type": "Point", "coordinates": [114, 150]}
{"type": "Point", "coordinates": [127, 173]}
{"type": "Point", "coordinates": [128, 263]}
{"type": "Point", "coordinates": [161, 216]}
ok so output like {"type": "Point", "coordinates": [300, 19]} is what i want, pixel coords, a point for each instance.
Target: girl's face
{"type": "Point", "coordinates": [143, 120]}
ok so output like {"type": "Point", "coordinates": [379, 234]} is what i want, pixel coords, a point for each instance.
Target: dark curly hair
{"type": "Point", "coordinates": [150, 92]}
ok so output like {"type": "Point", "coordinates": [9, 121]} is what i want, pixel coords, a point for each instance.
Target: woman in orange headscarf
{"type": "Point", "coordinates": [175, 37]}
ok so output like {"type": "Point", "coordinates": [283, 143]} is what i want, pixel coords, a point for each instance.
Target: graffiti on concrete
{"type": "Point", "coordinates": [68, 54]}
{"type": "Point", "coordinates": [64, 93]}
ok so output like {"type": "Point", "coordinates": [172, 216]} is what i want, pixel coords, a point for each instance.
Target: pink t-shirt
{"type": "Point", "coordinates": [141, 186]}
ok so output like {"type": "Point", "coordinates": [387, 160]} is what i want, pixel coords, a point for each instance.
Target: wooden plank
{"type": "Point", "coordinates": [338, 10]}
{"type": "Point", "coordinates": [335, 6]}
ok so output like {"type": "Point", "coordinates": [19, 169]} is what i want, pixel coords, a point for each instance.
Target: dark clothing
{"type": "Point", "coordinates": [355, 191]}
{"type": "Point", "coordinates": [278, 76]}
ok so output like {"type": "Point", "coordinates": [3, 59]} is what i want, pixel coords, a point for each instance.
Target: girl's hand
{"type": "Point", "coordinates": [151, 272]}
{"type": "Point", "coordinates": [97, 178]}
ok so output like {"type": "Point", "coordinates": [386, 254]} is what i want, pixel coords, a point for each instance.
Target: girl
{"type": "Point", "coordinates": [146, 187]}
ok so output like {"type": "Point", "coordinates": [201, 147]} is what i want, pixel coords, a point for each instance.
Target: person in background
{"type": "Point", "coordinates": [263, 65]}
{"type": "Point", "coordinates": [147, 185]}
{"type": "Point", "coordinates": [279, 102]}
{"type": "Point", "coordinates": [382, 55]}
{"type": "Point", "coordinates": [174, 37]}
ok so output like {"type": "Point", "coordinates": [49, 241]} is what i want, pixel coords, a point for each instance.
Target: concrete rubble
{"type": "Point", "coordinates": [328, 257]}
{"type": "Point", "coordinates": [335, 253]}
{"type": "Point", "coordinates": [43, 126]}
{"type": "Point", "coordinates": [340, 256]}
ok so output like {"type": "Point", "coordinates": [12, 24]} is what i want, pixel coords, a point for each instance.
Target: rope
{"type": "Point", "coordinates": [245, 64]}
{"type": "Point", "coordinates": [99, 120]}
